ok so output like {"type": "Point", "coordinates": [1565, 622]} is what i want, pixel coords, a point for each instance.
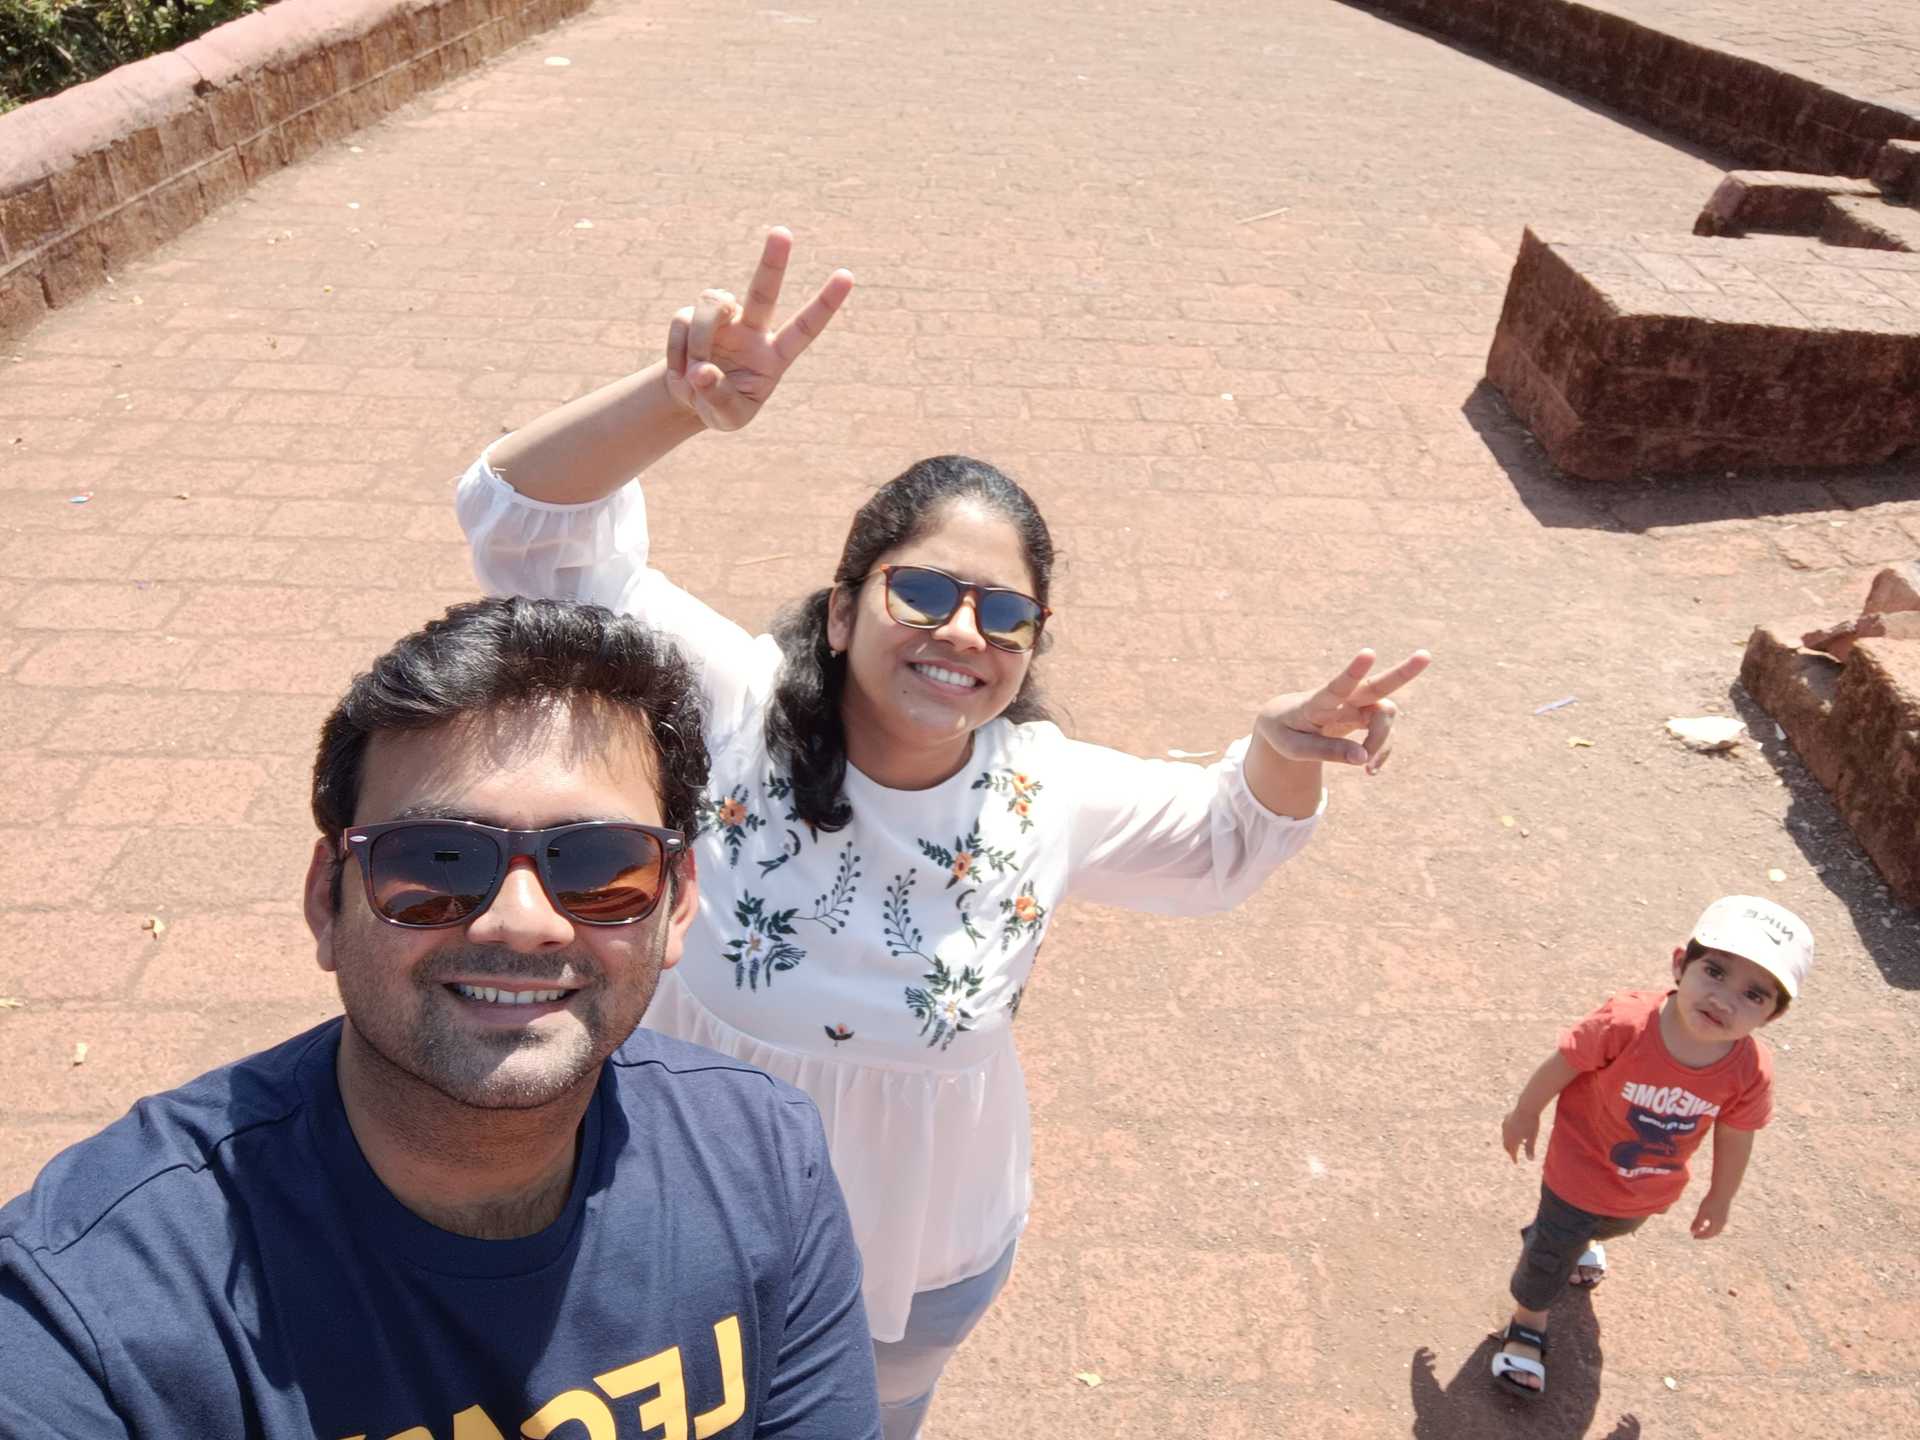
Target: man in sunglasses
{"type": "Point", "coordinates": [482, 1203]}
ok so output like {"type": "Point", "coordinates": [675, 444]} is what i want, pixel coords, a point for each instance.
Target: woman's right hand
{"type": "Point", "coordinates": [724, 359]}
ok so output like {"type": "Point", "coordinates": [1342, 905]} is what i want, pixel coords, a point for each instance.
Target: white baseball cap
{"type": "Point", "coordinates": [1770, 935]}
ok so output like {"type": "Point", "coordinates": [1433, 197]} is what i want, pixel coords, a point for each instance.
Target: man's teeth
{"type": "Point", "coordinates": [508, 997]}
{"type": "Point", "coordinates": [945, 676]}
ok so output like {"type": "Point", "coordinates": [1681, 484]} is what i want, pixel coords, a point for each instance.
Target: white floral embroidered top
{"type": "Point", "coordinates": [880, 968]}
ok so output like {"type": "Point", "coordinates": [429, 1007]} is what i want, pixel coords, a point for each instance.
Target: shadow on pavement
{"type": "Point", "coordinates": [1635, 506]}
{"type": "Point", "coordinates": [1471, 1407]}
{"type": "Point", "coordinates": [1719, 160]}
{"type": "Point", "coordinates": [1885, 927]}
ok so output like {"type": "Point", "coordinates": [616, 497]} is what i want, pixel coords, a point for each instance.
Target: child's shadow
{"type": "Point", "coordinates": [1473, 1406]}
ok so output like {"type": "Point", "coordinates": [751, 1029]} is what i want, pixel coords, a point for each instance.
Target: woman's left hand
{"type": "Point", "coordinates": [1312, 726]}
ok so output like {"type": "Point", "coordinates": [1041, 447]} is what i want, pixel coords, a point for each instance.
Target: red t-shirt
{"type": "Point", "coordinates": [1625, 1128]}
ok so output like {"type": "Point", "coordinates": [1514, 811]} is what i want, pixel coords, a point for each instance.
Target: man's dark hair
{"type": "Point", "coordinates": [488, 655]}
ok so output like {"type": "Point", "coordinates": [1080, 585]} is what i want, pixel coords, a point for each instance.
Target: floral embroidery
{"type": "Point", "coordinates": [833, 909]}
{"type": "Point", "coordinates": [1022, 916]}
{"type": "Point", "coordinates": [780, 787]}
{"type": "Point", "coordinates": [838, 1034]}
{"type": "Point", "coordinates": [941, 1005]}
{"type": "Point", "coordinates": [1017, 788]}
{"type": "Point", "coordinates": [791, 849]}
{"type": "Point", "coordinates": [897, 928]}
{"type": "Point", "coordinates": [765, 948]}
{"type": "Point", "coordinates": [1013, 1005]}
{"type": "Point", "coordinates": [966, 916]}
{"type": "Point", "coordinates": [967, 854]}
{"type": "Point", "coordinates": [730, 815]}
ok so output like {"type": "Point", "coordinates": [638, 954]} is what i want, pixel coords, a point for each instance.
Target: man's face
{"type": "Point", "coordinates": [403, 989]}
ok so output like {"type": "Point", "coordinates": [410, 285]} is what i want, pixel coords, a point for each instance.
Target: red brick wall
{"type": "Point", "coordinates": [106, 171]}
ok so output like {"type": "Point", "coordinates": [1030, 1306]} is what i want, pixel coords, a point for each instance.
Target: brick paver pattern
{"type": "Point", "coordinates": [1217, 281]}
{"type": "Point", "coordinates": [1869, 49]}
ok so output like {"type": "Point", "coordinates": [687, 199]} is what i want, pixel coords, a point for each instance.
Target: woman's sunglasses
{"type": "Point", "coordinates": [425, 874]}
{"type": "Point", "coordinates": [923, 598]}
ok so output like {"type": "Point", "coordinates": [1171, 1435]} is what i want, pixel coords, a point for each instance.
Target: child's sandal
{"type": "Point", "coordinates": [1505, 1365]}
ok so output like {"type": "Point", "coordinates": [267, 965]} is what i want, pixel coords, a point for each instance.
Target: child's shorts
{"type": "Point", "coordinates": [1553, 1245]}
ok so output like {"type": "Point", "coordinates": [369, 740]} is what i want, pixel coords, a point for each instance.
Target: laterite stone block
{"type": "Point", "coordinates": [1671, 355]}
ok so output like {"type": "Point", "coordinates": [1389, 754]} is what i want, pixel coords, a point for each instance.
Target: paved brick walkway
{"type": "Point", "coordinates": [1218, 282]}
{"type": "Point", "coordinates": [1869, 49]}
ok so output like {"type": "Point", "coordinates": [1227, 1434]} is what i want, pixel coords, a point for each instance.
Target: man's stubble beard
{"type": "Point", "coordinates": [476, 1069]}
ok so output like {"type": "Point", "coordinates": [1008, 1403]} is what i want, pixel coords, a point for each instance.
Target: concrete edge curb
{"type": "Point", "coordinates": [1762, 117]}
{"type": "Point", "coordinates": [107, 171]}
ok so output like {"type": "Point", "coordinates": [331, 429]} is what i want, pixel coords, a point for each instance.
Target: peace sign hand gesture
{"type": "Point", "coordinates": [1312, 725]}
{"type": "Point", "coordinates": [724, 358]}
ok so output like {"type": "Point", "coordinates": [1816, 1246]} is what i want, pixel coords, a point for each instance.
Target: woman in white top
{"type": "Point", "coordinates": [892, 820]}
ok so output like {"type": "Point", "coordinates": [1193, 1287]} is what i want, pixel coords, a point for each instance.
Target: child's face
{"type": "Point", "coordinates": [1723, 997]}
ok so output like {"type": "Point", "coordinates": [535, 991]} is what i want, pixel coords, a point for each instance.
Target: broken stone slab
{"type": "Point", "coordinates": [1838, 640]}
{"type": "Point", "coordinates": [1895, 588]}
{"type": "Point", "coordinates": [1796, 688]}
{"type": "Point", "coordinates": [1856, 724]}
{"type": "Point", "coordinates": [1776, 202]}
{"type": "Point", "coordinates": [1876, 717]}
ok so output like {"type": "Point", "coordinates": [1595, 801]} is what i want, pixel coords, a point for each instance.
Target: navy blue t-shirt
{"type": "Point", "coordinates": [224, 1262]}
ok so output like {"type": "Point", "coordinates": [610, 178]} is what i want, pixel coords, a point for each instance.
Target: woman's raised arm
{"type": "Point", "coordinates": [723, 361]}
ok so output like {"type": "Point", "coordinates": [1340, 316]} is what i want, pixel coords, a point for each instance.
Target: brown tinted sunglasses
{"type": "Point", "coordinates": [425, 874]}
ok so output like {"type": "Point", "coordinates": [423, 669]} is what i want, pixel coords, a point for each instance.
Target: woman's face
{"type": "Point", "coordinates": [929, 689]}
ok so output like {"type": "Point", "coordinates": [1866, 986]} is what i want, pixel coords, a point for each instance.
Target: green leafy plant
{"type": "Point", "coordinates": [47, 45]}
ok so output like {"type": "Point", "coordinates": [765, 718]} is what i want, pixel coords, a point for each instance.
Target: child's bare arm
{"type": "Point", "coordinates": [1731, 1150]}
{"type": "Point", "coordinates": [1522, 1124]}
{"type": "Point", "coordinates": [724, 359]}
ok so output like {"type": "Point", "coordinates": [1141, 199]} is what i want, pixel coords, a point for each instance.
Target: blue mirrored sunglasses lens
{"type": "Point", "coordinates": [1009, 621]}
{"type": "Point", "coordinates": [921, 597]}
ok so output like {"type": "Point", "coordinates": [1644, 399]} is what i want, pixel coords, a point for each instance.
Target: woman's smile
{"type": "Point", "coordinates": [945, 676]}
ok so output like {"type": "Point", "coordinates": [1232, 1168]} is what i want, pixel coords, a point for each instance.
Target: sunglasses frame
{"type": "Point", "coordinates": [966, 588]}
{"type": "Point", "coordinates": [359, 840]}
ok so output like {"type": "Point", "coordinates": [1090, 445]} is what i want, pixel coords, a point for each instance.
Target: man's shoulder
{"type": "Point", "coordinates": [734, 1113]}
{"type": "Point", "coordinates": [682, 1064]}
{"type": "Point", "coordinates": [176, 1135]}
